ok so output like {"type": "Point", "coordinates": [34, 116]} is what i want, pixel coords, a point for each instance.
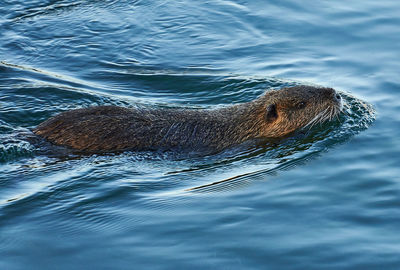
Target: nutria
{"type": "Point", "coordinates": [111, 128]}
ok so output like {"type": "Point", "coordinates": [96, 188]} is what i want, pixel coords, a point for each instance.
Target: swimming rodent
{"type": "Point", "coordinates": [110, 128]}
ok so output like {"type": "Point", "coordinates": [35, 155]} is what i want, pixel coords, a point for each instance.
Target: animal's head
{"type": "Point", "coordinates": [292, 108]}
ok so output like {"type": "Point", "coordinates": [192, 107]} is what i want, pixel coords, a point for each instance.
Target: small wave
{"type": "Point", "coordinates": [46, 9]}
{"type": "Point", "coordinates": [12, 148]}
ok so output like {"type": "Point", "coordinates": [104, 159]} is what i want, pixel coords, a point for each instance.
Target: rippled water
{"type": "Point", "coordinates": [325, 198]}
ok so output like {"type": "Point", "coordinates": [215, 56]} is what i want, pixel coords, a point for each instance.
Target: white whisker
{"type": "Point", "coordinates": [325, 115]}
{"type": "Point", "coordinates": [316, 119]}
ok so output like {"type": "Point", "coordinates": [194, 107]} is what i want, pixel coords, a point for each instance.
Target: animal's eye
{"type": "Point", "coordinates": [301, 104]}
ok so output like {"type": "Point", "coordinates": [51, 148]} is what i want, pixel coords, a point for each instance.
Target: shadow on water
{"type": "Point", "coordinates": [158, 174]}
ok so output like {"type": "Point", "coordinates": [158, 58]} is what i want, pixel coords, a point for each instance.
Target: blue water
{"type": "Point", "coordinates": [328, 198]}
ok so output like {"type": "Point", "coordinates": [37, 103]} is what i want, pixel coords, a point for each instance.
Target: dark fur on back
{"type": "Point", "coordinates": [112, 128]}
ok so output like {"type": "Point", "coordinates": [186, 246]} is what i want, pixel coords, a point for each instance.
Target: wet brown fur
{"type": "Point", "coordinates": [111, 128]}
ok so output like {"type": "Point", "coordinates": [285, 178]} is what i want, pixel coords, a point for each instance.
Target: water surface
{"type": "Point", "coordinates": [327, 198]}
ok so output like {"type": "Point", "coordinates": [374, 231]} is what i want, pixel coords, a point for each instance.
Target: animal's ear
{"type": "Point", "coordinates": [271, 114]}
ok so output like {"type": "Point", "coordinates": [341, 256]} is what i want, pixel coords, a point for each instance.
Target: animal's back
{"type": "Point", "coordinates": [97, 128]}
{"type": "Point", "coordinates": [112, 128]}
